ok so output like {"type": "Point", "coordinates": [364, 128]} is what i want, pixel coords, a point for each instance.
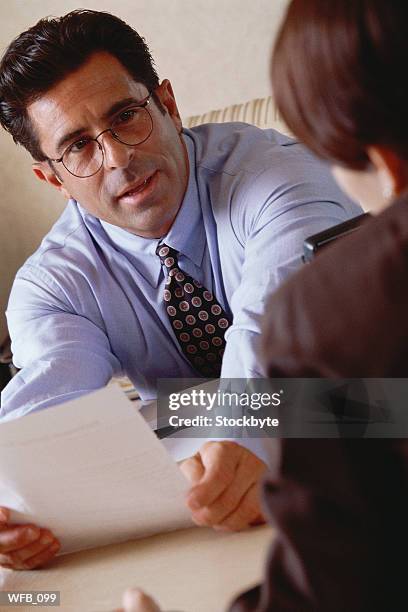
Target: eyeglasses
{"type": "Point", "coordinates": [131, 127]}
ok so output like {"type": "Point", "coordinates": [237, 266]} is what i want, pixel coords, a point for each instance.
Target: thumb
{"type": "Point", "coordinates": [134, 600]}
{"type": "Point", "coordinates": [4, 516]}
{"type": "Point", "coordinates": [193, 469]}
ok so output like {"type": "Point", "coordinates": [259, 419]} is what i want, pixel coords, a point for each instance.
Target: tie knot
{"type": "Point", "coordinates": [168, 256]}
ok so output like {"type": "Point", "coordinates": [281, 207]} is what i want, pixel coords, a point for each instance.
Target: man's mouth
{"type": "Point", "coordinates": [137, 188]}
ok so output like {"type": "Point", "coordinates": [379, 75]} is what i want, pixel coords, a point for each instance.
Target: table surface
{"type": "Point", "coordinates": [192, 570]}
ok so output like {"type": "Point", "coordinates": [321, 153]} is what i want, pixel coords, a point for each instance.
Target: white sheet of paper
{"type": "Point", "coordinates": [92, 471]}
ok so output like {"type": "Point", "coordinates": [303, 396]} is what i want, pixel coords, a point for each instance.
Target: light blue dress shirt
{"type": "Point", "coordinates": [88, 304]}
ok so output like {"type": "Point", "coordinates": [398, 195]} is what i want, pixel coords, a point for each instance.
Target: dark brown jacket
{"type": "Point", "coordinates": [340, 506]}
{"type": "Point", "coordinates": [346, 314]}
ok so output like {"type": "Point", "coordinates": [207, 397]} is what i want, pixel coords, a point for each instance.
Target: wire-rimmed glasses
{"type": "Point", "coordinates": [132, 126]}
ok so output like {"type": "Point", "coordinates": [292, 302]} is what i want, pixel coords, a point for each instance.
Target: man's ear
{"type": "Point", "coordinates": [392, 170]}
{"type": "Point", "coordinates": [166, 96]}
{"type": "Point", "coordinates": [44, 172]}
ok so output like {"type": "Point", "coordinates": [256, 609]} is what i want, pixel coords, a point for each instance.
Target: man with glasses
{"type": "Point", "coordinates": [171, 240]}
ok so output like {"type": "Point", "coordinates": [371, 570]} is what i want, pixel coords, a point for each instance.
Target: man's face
{"type": "Point", "coordinates": [138, 188]}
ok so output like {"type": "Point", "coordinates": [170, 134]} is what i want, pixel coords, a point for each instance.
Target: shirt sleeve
{"type": "Point", "coordinates": [272, 221]}
{"type": "Point", "coordinates": [68, 354]}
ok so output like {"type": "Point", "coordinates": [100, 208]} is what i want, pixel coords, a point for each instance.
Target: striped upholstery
{"type": "Point", "coordinates": [261, 112]}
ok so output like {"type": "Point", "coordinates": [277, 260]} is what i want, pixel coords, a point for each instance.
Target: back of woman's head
{"type": "Point", "coordinates": [339, 76]}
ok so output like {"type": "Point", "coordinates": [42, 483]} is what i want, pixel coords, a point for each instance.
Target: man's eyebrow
{"type": "Point", "coordinates": [116, 107]}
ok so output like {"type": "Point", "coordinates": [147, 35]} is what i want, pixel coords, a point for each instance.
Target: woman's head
{"type": "Point", "coordinates": [338, 75]}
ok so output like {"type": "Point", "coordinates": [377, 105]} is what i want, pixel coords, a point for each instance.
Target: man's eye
{"type": "Point", "coordinates": [79, 145]}
{"type": "Point", "coordinates": [126, 116]}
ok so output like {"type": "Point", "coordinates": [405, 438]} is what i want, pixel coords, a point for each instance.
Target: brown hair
{"type": "Point", "coordinates": [338, 74]}
{"type": "Point", "coordinates": [53, 48]}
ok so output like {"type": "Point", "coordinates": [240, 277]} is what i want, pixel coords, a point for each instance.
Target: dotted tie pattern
{"type": "Point", "coordinates": [198, 320]}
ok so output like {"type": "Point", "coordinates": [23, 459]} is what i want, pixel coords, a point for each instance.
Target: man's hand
{"type": "Point", "coordinates": [225, 492]}
{"type": "Point", "coordinates": [24, 547]}
{"type": "Point", "coordinates": [134, 600]}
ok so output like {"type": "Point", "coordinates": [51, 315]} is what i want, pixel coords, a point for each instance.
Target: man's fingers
{"type": "Point", "coordinates": [25, 547]}
{"type": "Point", "coordinates": [33, 555]}
{"type": "Point", "coordinates": [193, 469]}
{"type": "Point", "coordinates": [13, 538]}
{"type": "Point", "coordinates": [220, 460]}
{"type": "Point", "coordinates": [248, 472]}
{"type": "Point", "coordinates": [41, 558]}
{"type": "Point", "coordinates": [26, 554]}
{"type": "Point", "coordinates": [134, 600]}
{"type": "Point", "coordinates": [4, 516]}
{"type": "Point", "coordinates": [246, 513]}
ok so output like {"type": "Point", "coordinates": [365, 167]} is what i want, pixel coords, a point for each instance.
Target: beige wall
{"type": "Point", "coordinates": [215, 52]}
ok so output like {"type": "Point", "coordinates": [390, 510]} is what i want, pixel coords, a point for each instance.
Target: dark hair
{"type": "Point", "coordinates": [338, 74]}
{"type": "Point", "coordinates": [45, 54]}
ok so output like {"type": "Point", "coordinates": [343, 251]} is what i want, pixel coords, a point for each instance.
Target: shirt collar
{"type": "Point", "coordinates": [186, 235]}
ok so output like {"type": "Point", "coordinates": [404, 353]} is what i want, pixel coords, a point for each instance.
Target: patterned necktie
{"type": "Point", "coordinates": [198, 320]}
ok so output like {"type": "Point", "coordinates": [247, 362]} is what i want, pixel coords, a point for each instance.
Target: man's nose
{"type": "Point", "coordinates": [116, 154]}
